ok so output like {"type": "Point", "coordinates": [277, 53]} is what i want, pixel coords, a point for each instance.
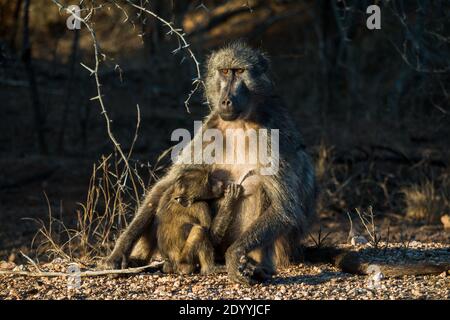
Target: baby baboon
{"type": "Point", "coordinates": [186, 232]}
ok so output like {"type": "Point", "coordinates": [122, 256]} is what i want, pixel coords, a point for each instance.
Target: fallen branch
{"type": "Point", "coordinates": [90, 273]}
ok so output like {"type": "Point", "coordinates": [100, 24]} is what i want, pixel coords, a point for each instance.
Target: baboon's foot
{"type": "Point", "coordinates": [185, 268]}
{"type": "Point", "coordinates": [167, 267]}
{"type": "Point", "coordinates": [245, 270]}
{"type": "Point", "coordinates": [262, 273]}
{"type": "Point", "coordinates": [257, 272]}
{"type": "Point", "coordinates": [205, 270]}
{"type": "Point", "coordinates": [240, 268]}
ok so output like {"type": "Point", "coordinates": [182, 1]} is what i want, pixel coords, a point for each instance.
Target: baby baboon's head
{"type": "Point", "coordinates": [196, 184]}
{"type": "Point", "coordinates": [236, 74]}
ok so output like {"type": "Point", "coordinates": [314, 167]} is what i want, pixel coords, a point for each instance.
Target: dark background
{"type": "Point", "coordinates": [373, 105]}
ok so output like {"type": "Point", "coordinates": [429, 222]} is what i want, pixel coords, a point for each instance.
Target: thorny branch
{"type": "Point", "coordinates": [99, 56]}
{"type": "Point", "coordinates": [183, 44]}
{"type": "Point", "coordinates": [99, 97]}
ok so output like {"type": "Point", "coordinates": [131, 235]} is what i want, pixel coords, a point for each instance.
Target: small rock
{"type": "Point", "coordinates": [415, 244]}
{"type": "Point", "coordinates": [196, 288]}
{"type": "Point", "coordinates": [19, 268]}
{"type": "Point", "coordinates": [57, 261]}
{"type": "Point", "coordinates": [416, 292]}
{"type": "Point", "coordinates": [7, 265]}
{"type": "Point", "coordinates": [357, 240]}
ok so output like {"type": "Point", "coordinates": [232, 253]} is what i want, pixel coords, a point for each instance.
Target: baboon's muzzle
{"type": "Point", "coordinates": [233, 93]}
{"type": "Point", "coordinates": [228, 110]}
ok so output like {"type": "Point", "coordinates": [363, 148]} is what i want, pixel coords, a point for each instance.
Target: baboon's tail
{"type": "Point", "coordinates": [350, 261]}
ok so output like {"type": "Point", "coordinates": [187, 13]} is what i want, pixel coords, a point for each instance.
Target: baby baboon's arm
{"type": "Point", "coordinates": [201, 212]}
{"type": "Point", "coordinates": [140, 223]}
{"type": "Point", "coordinates": [225, 214]}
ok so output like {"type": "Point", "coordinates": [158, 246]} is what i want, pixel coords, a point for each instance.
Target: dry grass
{"type": "Point", "coordinates": [324, 161]}
{"type": "Point", "coordinates": [347, 180]}
{"type": "Point", "coordinates": [330, 186]}
{"type": "Point", "coordinates": [424, 202]}
{"type": "Point", "coordinates": [110, 203]}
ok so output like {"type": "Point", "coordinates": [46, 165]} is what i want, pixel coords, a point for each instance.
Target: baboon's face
{"type": "Point", "coordinates": [236, 75]}
{"type": "Point", "coordinates": [195, 186]}
{"type": "Point", "coordinates": [234, 94]}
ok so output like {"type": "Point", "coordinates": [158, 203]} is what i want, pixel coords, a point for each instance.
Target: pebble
{"type": "Point", "coordinates": [303, 281]}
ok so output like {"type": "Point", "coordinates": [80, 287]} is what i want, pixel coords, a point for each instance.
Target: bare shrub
{"type": "Point", "coordinates": [324, 162]}
{"type": "Point", "coordinates": [115, 186]}
{"type": "Point", "coordinates": [367, 219]}
{"type": "Point", "coordinates": [109, 204]}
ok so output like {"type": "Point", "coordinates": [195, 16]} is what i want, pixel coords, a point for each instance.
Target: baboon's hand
{"type": "Point", "coordinates": [233, 192]}
{"type": "Point", "coordinates": [115, 261]}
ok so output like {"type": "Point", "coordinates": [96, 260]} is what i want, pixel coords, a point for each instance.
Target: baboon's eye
{"type": "Point", "coordinates": [224, 71]}
{"type": "Point", "coordinates": [239, 71]}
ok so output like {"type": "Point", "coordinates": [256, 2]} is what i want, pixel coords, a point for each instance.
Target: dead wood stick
{"type": "Point", "coordinates": [89, 273]}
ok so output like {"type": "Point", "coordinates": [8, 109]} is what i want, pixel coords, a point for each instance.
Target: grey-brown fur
{"type": "Point", "coordinates": [270, 222]}
{"type": "Point", "coordinates": [277, 210]}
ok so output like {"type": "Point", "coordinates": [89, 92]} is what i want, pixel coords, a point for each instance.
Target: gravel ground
{"type": "Point", "coordinates": [303, 281]}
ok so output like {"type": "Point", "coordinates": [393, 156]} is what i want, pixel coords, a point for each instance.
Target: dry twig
{"type": "Point", "coordinates": [89, 273]}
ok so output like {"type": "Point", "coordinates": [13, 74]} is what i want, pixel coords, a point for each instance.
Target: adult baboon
{"type": "Point", "coordinates": [186, 230]}
{"type": "Point", "coordinates": [276, 209]}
